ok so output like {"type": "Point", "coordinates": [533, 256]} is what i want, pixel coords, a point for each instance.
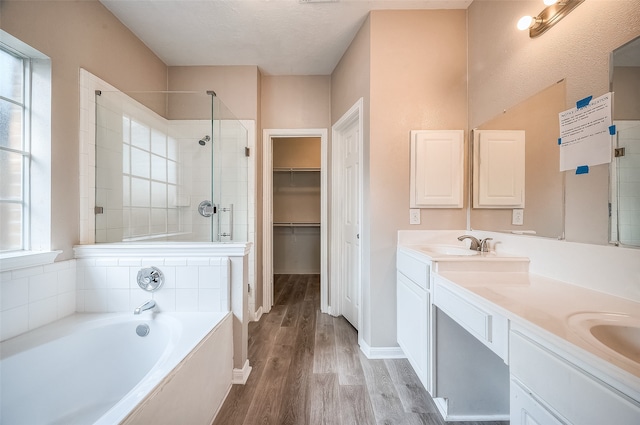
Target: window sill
{"type": "Point", "coordinates": [24, 259]}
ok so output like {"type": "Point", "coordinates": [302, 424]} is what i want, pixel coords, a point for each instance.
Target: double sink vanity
{"type": "Point", "coordinates": [492, 340]}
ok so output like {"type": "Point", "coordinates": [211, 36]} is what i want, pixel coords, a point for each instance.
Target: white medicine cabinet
{"type": "Point", "coordinates": [437, 168]}
{"type": "Point", "coordinates": [498, 168]}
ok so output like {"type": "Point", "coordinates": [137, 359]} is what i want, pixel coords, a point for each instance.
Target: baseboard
{"type": "Point", "coordinates": [373, 353]}
{"type": "Point", "coordinates": [443, 408]}
{"type": "Point", "coordinates": [240, 376]}
{"type": "Point", "coordinates": [257, 315]}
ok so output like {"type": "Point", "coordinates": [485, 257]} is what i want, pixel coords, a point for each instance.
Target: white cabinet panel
{"type": "Point", "coordinates": [498, 168]}
{"type": "Point", "coordinates": [414, 269]}
{"type": "Point", "coordinates": [525, 410]}
{"type": "Point", "coordinates": [413, 325]}
{"type": "Point", "coordinates": [437, 168]}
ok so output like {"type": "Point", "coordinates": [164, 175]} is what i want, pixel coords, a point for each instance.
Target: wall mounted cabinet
{"type": "Point", "coordinates": [437, 168]}
{"type": "Point", "coordinates": [498, 168]}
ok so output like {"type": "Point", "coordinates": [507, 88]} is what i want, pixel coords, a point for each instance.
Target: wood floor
{"type": "Point", "coordinates": [309, 370]}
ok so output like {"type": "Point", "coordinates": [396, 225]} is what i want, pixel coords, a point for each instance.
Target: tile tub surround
{"type": "Point", "coordinates": [199, 276]}
{"type": "Point", "coordinates": [192, 284]}
{"type": "Point", "coordinates": [35, 296]}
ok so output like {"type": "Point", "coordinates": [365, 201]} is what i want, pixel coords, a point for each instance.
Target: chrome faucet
{"type": "Point", "coordinates": [147, 305]}
{"type": "Point", "coordinates": [481, 245]}
{"type": "Point", "coordinates": [475, 243]}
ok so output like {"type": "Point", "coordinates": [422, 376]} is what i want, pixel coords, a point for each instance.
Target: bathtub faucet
{"type": "Point", "coordinates": [148, 305]}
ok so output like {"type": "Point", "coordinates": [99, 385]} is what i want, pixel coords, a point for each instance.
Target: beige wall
{"type": "Point", "coordinates": [74, 35]}
{"type": "Point", "coordinates": [235, 86]}
{"type": "Point", "coordinates": [506, 67]}
{"type": "Point", "coordinates": [296, 101]}
{"type": "Point", "coordinates": [417, 82]}
{"type": "Point", "coordinates": [409, 80]}
{"type": "Point", "coordinates": [350, 81]}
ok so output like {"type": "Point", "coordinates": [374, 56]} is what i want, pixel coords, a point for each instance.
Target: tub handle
{"type": "Point", "coordinates": [150, 279]}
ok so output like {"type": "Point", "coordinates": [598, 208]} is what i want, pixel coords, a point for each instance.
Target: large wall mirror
{"type": "Point", "coordinates": [543, 213]}
{"type": "Point", "coordinates": [625, 168]}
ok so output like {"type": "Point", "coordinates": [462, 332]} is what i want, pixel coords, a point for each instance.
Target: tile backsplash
{"type": "Point", "coordinates": [109, 284]}
{"type": "Point", "coordinates": [34, 296]}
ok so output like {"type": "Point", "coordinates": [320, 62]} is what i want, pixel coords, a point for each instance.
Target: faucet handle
{"type": "Point", "coordinates": [484, 246]}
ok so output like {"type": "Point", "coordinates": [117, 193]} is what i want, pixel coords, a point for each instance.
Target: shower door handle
{"type": "Point", "coordinates": [206, 209]}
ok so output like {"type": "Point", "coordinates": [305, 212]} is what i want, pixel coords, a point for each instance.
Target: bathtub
{"type": "Point", "coordinates": [96, 369]}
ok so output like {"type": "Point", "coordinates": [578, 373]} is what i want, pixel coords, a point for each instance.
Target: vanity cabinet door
{"type": "Point", "coordinates": [413, 325]}
{"type": "Point", "coordinates": [437, 168]}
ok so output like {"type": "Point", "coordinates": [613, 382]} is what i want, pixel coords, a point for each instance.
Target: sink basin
{"type": "Point", "coordinates": [617, 333]}
{"type": "Point", "coordinates": [621, 339]}
{"type": "Point", "coordinates": [447, 250]}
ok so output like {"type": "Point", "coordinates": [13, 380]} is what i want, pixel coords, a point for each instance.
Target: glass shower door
{"type": "Point", "coordinates": [159, 156]}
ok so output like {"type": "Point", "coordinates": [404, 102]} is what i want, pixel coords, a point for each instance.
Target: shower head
{"type": "Point", "coordinates": [204, 140]}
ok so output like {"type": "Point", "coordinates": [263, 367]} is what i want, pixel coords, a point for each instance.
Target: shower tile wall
{"type": "Point", "coordinates": [191, 284]}
{"type": "Point", "coordinates": [629, 182]}
{"type": "Point", "coordinates": [194, 175]}
{"type": "Point", "coordinates": [34, 296]}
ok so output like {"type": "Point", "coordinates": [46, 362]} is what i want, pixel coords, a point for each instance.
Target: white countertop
{"type": "Point", "coordinates": [546, 303]}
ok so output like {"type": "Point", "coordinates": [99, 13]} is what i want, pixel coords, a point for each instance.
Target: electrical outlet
{"type": "Point", "coordinates": [517, 218]}
{"type": "Point", "coordinates": [414, 216]}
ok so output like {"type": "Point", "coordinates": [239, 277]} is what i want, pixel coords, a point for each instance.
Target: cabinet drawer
{"type": "Point", "coordinates": [487, 326]}
{"type": "Point", "coordinates": [414, 269]}
{"type": "Point", "coordinates": [566, 389]}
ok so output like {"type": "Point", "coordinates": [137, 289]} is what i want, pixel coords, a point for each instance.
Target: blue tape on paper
{"type": "Point", "coordinates": [559, 140]}
{"type": "Point", "coordinates": [584, 102]}
{"type": "Point", "coordinates": [583, 169]}
{"type": "Point", "coordinates": [612, 130]}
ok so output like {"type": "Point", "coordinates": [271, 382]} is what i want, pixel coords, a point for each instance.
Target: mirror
{"type": "Point", "coordinates": [543, 214]}
{"type": "Point", "coordinates": [625, 167]}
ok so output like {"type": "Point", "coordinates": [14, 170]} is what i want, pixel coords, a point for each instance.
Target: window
{"type": "Point", "coordinates": [25, 155]}
{"type": "Point", "coordinates": [15, 157]}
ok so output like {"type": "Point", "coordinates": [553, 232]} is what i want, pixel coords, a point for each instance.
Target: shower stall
{"type": "Point", "coordinates": [170, 166]}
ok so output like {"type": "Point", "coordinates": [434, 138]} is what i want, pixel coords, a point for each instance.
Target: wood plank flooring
{"type": "Point", "coordinates": [309, 370]}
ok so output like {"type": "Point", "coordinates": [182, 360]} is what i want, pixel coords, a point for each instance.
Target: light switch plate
{"type": "Point", "coordinates": [517, 219]}
{"type": "Point", "coordinates": [414, 216]}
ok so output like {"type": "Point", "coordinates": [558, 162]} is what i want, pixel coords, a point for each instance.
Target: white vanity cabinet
{"type": "Point", "coordinates": [549, 387]}
{"type": "Point", "coordinates": [413, 312]}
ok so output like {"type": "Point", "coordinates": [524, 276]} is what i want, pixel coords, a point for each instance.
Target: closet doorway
{"type": "Point", "coordinates": [295, 207]}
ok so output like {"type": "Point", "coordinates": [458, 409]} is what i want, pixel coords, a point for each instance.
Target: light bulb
{"type": "Point", "coordinates": [550, 2]}
{"type": "Point", "coordinates": [525, 23]}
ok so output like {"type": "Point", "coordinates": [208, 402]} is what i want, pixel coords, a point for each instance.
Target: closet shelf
{"type": "Point", "coordinates": [295, 224]}
{"type": "Point", "coordinates": [295, 169]}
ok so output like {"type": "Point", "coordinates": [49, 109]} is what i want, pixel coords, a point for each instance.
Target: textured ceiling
{"type": "Point", "coordinates": [281, 37]}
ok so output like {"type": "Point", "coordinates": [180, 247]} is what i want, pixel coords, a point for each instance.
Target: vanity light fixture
{"type": "Point", "coordinates": [550, 15]}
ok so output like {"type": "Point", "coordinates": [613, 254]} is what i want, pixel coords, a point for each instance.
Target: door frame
{"type": "Point", "coordinates": [267, 211]}
{"type": "Point", "coordinates": [354, 114]}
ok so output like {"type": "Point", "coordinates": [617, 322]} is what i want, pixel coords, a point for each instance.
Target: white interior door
{"type": "Point", "coordinates": [350, 302]}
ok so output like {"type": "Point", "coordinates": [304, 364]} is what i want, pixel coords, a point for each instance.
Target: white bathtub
{"type": "Point", "coordinates": [95, 369]}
